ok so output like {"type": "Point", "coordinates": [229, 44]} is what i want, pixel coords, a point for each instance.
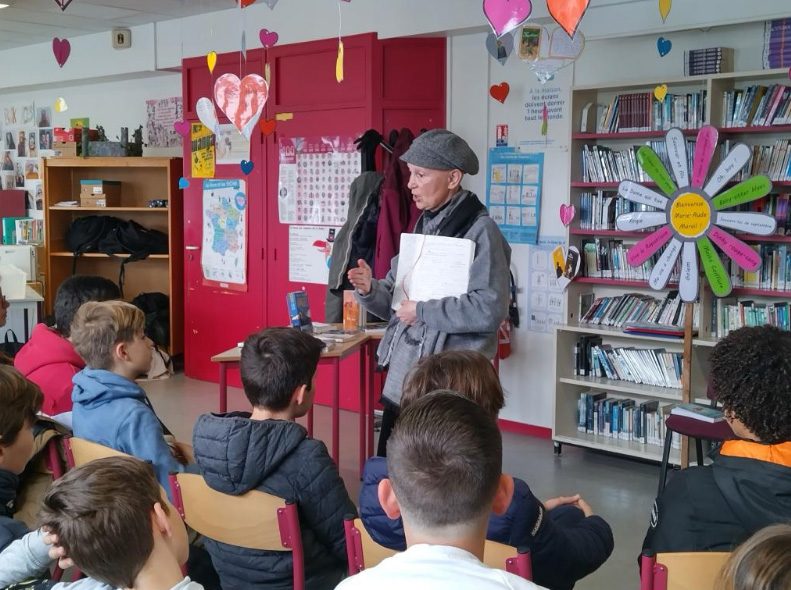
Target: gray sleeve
{"type": "Point", "coordinates": [380, 297]}
{"type": "Point", "coordinates": [485, 305]}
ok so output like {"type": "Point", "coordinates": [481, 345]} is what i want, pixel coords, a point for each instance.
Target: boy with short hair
{"type": "Point", "coordinates": [20, 401]}
{"type": "Point", "coordinates": [445, 463]}
{"type": "Point", "coordinates": [109, 518]}
{"type": "Point", "coordinates": [48, 359]}
{"type": "Point", "coordinates": [109, 407]}
{"type": "Point", "coordinates": [266, 450]}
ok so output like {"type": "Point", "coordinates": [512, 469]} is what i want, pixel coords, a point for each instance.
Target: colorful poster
{"type": "Point", "coordinates": [224, 251]}
{"type": "Point", "coordinates": [513, 193]}
{"type": "Point", "coordinates": [544, 295]}
{"type": "Point", "coordinates": [315, 175]}
{"type": "Point", "coordinates": [202, 151]}
{"type": "Point", "coordinates": [309, 253]}
{"type": "Point", "coordinates": [161, 114]}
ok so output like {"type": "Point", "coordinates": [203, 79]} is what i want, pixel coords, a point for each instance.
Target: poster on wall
{"type": "Point", "coordinates": [544, 295]}
{"type": "Point", "coordinates": [309, 253]}
{"type": "Point", "coordinates": [224, 250]}
{"type": "Point", "coordinates": [161, 114]}
{"type": "Point", "coordinates": [315, 175]}
{"type": "Point", "coordinates": [201, 151]}
{"type": "Point", "coordinates": [232, 147]}
{"type": "Point", "coordinates": [513, 193]}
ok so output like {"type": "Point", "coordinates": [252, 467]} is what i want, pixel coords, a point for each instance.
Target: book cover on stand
{"type": "Point", "coordinates": [299, 310]}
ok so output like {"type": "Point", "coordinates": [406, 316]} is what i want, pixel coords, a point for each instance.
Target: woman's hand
{"type": "Point", "coordinates": [360, 277]}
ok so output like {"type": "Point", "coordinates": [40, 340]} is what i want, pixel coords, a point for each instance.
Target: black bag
{"type": "Point", "coordinates": [85, 233]}
{"type": "Point", "coordinates": [11, 345]}
{"type": "Point", "coordinates": [156, 306]}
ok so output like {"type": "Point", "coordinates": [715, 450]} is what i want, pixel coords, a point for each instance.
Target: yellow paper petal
{"type": "Point", "coordinates": [60, 105]}
{"type": "Point", "coordinates": [339, 63]}
{"type": "Point", "coordinates": [284, 116]}
{"type": "Point", "coordinates": [267, 73]}
{"type": "Point", "coordinates": [211, 60]}
{"type": "Point", "coordinates": [664, 8]}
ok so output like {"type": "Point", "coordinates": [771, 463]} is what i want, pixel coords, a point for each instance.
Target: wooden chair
{"type": "Point", "coordinates": [254, 520]}
{"type": "Point", "coordinates": [681, 571]}
{"type": "Point", "coordinates": [80, 451]}
{"type": "Point", "coordinates": [363, 552]}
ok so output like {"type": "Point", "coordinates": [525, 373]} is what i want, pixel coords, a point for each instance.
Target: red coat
{"type": "Point", "coordinates": [50, 361]}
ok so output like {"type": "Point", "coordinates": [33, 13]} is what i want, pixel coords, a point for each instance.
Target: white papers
{"type": "Point", "coordinates": [232, 147]}
{"type": "Point", "coordinates": [432, 267]}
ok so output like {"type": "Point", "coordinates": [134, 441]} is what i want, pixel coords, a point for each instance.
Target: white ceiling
{"type": "Point", "coordinates": [27, 22]}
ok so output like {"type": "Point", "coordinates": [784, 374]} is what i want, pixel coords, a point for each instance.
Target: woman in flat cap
{"type": "Point", "coordinates": [438, 160]}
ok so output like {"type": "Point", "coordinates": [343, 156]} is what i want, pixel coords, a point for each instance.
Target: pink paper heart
{"type": "Point", "coordinates": [61, 48]}
{"type": "Point", "coordinates": [268, 38]}
{"type": "Point", "coordinates": [506, 15]}
{"type": "Point", "coordinates": [64, 4]}
{"type": "Point", "coordinates": [241, 100]}
{"type": "Point", "coordinates": [182, 128]}
{"type": "Point", "coordinates": [567, 213]}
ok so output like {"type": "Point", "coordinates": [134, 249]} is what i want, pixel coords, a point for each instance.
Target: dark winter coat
{"type": "Point", "coordinates": [235, 455]}
{"type": "Point", "coordinates": [10, 529]}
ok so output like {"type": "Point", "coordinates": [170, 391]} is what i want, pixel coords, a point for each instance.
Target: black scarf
{"type": "Point", "coordinates": [460, 220]}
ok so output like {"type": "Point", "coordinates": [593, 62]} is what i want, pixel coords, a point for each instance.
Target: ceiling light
{"type": "Point", "coordinates": [4, 5]}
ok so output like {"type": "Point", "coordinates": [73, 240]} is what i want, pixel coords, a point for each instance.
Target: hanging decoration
{"type": "Point", "coordinates": [244, 45]}
{"type": "Point", "coordinates": [499, 92]}
{"type": "Point", "coordinates": [63, 4]}
{"type": "Point", "coordinates": [268, 38]}
{"type": "Point", "coordinates": [660, 92]}
{"type": "Point", "coordinates": [567, 266]}
{"type": "Point", "coordinates": [506, 15]}
{"type": "Point", "coordinates": [241, 100]}
{"type": "Point", "coordinates": [567, 213]}
{"type": "Point", "coordinates": [271, 4]}
{"type": "Point", "coordinates": [664, 8]}
{"type": "Point", "coordinates": [182, 128]}
{"type": "Point", "coordinates": [500, 49]}
{"type": "Point", "coordinates": [663, 46]}
{"type": "Point", "coordinates": [207, 114]}
{"type": "Point", "coordinates": [692, 213]}
{"type": "Point", "coordinates": [60, 105]}
{"type": "Point", "coordinates": [247, 166]}
{"type": "Point", "coordinates": [267, 126]}
{"type": "Point", "coordinates": [61, 48]}
{"type": "Point", "coordinates": [545, 53]}
{"type": "Point", "coordinates": [339, 59]}
{"type": "Point", "coordinates": [246, 3]}
{"type": "Point", "coordinates": [211, 60]}
{"type": "Point", "coordinates": [183, 183]}
{"type": "Point", "coordinates": [568, 13]}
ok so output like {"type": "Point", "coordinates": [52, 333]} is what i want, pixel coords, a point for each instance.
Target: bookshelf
{"type": "Point", "coordinates": [142, 179]}
{"type": "Point", "coordinates": [593, 191]}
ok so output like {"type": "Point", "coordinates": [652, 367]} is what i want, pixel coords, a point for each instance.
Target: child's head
{"type": "Point", "coordinates": [762, 562]}
{"type": "Point", "coordinates": [75, 291]}
{"type": "Point", "coordinates": [465, 371]}
{"type": "Point", "coordinates": [110, 335]}
{"type": "Point", "coordinates": [751, 377]}
{"type": "Point", "coordinates": [109, 516]}
{"type": "Point", "coordinates": [277, 366]}
{"type": "Point", "coordinates": [20, 401]}
{"type": "Point", "coordinates": [444, 460]}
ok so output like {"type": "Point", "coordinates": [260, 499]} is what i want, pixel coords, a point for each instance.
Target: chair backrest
{"type": "Point", "coordinates": [682, 571]}
{"type": "Point", "coordinates": [80, 451]}
{"type": "Point", "coordinates": [254, 520]}
{"type": "Point", "coordinates": [363, 552]}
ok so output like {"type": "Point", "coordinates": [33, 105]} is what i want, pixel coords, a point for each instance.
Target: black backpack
{"type": "Point", "coordinates": [85, 233]}
{"type": "Point", "coordinates": [156, 306]}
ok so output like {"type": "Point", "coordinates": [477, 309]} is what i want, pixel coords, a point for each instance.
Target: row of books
{"type": "Point", "coordinates": [603, 164]}
{"type": "Point", "coordinates": [624, 418]}
{"type": "Point", "coordinates": [776, 205]}
{"type": "Point", "coordinates": [777, 43]}
{"type": "Point", "coordinates": [773, 160]}
{"type": "Point", "coordinates": [774, 273]}
{"type": "Point", "coordinates": [757, 106]}
{"type": "Point", "coordinates": [606, 259]}
{"type": "Point", "coordinates": [712, 60]}
{"type": "Point", "coordinates": [729, 314]}
{"type": "Point", "coordinates": [633, 308]}
{"type": "Point", "coordinates": [640, 111]}
{"type": "Point", "coordinates": [685, 111]}
{"type": "Point", "coordinates": [600, 209]}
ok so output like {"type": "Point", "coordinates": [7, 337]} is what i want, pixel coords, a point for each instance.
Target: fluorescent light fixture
{"type": "Point", "coordinates": [4, 5]}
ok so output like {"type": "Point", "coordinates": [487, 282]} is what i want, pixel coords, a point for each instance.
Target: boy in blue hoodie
{"type": "Point", "coordinates": [109, 407]}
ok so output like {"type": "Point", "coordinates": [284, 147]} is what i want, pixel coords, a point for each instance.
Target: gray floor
{"type": "Point", "coordinates": [620, 490]}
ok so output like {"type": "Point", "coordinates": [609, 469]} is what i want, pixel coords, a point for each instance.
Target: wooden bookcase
{"type": "Point", "coordinates": [695, 350]}
{"type": "Point", "coordinates": [142, 179]}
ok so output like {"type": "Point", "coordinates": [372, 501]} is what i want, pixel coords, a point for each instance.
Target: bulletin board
{"type": "Point", "coordinates": [513, 193]}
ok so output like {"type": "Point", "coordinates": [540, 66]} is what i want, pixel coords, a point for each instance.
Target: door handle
{"type": "Point", "coordinates": [192, 247]}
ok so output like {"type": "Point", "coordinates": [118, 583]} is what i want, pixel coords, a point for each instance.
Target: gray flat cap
{"type": "Point", "coordinates": [440, 149]}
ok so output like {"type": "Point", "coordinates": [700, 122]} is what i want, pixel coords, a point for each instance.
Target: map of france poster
{"type": "Point", "coordinates": [224, 251]}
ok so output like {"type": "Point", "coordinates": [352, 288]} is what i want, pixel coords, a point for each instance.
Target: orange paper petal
{"type": "Point", "coordinates": [339, 63]}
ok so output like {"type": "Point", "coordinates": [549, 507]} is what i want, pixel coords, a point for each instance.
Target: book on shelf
{"type": "Point", "coordinates": [774, 273]}
{"type": "Point", "coordinates": [606, 259]}
{"type": "Point", "coordinates": [698, 412]}
{"type": "Point", "coordinates": [655, 330]}
{"type": "Point", "coordinates": [757, 106]}
{"type": "Point", "coordinates": [600, 209]}
{"type": "Point", "coordinates": [640, 112]}
{"type": "Point", "coordinates": [711, 60]}
{"type": "Point", "coordinates": [299, 310]}
{"type": "Point", "coordinates": [777, 43]}
{"type": "Point", "coordinates": [772, 160]}
{"type": "Point", "coordinates": [619, 310]}
{"type": "Point", "coordinates": [730, 313]}
{"type": "Point", "coordinates": [603, 164]}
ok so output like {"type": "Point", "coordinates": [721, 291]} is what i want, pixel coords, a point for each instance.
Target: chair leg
{"type": "Point", "coordinates": [665, 461]}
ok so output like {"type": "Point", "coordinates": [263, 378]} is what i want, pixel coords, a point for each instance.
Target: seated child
{"type": "Point", "coordinates": [109, 407]}
{"type": "Point", "coordinates": [445, 464]}
{"type": "Point", "coordinates": [20, 401]}
{"type": "Point", "coordinates": [268, 451]}
{"type": "Point", "coordinates": [48, 359]}
{"type": "Point", "coordinates": [748, 487]}
{"type": "Point", "coordinates": [762, 562]}
{"type": "Point", "coordinates": [566, 540]}
{"type": "Point", "coordinates": [109, 518]}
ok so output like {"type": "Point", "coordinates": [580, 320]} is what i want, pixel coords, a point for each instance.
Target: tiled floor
{"type": "Point", "coordinates": [620, 490]}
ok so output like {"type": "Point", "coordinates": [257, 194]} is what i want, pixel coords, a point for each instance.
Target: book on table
{"type": "Point", "coordinates": [299, 310]}
{"type": "Point", "coordinates": [698, 412]}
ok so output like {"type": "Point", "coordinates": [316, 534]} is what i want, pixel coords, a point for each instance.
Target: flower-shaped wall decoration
{"type": "Point", "coordinates": [693, 216]}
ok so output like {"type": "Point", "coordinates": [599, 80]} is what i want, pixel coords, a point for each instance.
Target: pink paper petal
{"type": "Point", "coordinates": [705, 146]}
{"type": "Point", "coordinates": [645, 248]}
{"type": "Point", "coordinates": [738, 251]}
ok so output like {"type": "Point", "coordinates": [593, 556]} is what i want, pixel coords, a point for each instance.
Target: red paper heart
{"type": "Point", "coordinates": [568, 13]}
{"type": "Point", "coordinates": [182, 128]}
{"type": "Point", "coordinates": [62, 49]}
{"type": "Point", "coordinates": [267, 126]}
{"type": "Point", "coordinates": [246, 3]}
{"type": "Point", "coordinates": [500, 91]}
{"type": "Point", "coordinates": [268, 38]}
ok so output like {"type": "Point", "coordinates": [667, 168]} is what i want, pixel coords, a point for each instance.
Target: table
{"type": "Point", "coordinates": [333, 357]}
{"type": "Point", "coordinates": [23, 314]}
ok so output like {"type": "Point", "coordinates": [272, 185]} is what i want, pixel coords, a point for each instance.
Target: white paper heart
{"type": "Point", "coordinates": [565, 47]}
{"type": "Point", "coordinates": [500, 49]}
{"type": "Point", "coordinates": [241, 100]}
{"type": "Point", "coordinates": [207, 114]}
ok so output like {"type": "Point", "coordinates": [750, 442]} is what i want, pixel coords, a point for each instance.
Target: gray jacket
{"type": "Point", "coordinates": [469, 322]}
{"type": "Point", "coordinates": [28, 558]}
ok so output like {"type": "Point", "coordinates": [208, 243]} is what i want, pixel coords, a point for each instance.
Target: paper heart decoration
{"type": "Point", "coordinates": [244, 44]}
{"type": "Point", "coordinates": [271, 4]}
{"type": "Point", "coordinates": [207, 115]}
{"type": "Point", "coordinates": [60, 105]}
{"type": "Point", "coordinates": [664, 8]}
{"type": "Point", "coordinates": [182, 128]}
{"type": "Point", "coordinates": [568, 13]}
{"type": "Point", "coordinates": [241, 100]}
{"type": "Point", "coordinates": [500, 91]}
{"type": "Point", "coordinates": [500, 48]}
{"type": "Point", "coordinates": [268, 38]}
{"type": "Point", "coordinates": [211, 60]}
{"type": "Point", "coordinates": [246, 166]}
{"type": "Point", "coordinates": [268, 126]}
{"type": "Point", "coordinates": [567, 213]}
{"type": "Point", "coordinates": [246, 3]}
{"type": "Point", "coordinates": [505, 15]}
{"type": "Point", "coordinates": [183, 183]}
{"type": "Point", "coordinates": [663, 46]}
{"type": "Point", "coordinates": [571, 268]}
{"type": "Point", "coordinates": [62, 49]}
{"type": "Point", "coordinates": [64, 4]}
{"type": "Point", "coordinates": [563, 46]}
{"type": "Point", "coordinates": [660, 92]}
